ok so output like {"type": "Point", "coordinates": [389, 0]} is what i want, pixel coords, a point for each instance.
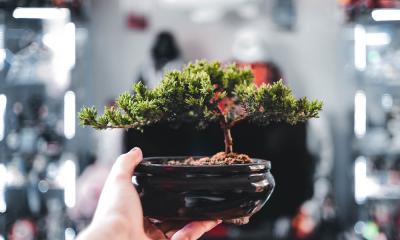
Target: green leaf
{"type": "Point", "coordinates": [197, 95]}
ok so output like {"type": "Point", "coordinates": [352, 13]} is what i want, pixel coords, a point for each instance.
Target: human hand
{"type": "Point", "coordinates": [119, 212]}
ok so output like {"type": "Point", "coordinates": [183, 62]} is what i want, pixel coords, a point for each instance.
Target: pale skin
{"type": "Point", "coordinates": [119, 212]}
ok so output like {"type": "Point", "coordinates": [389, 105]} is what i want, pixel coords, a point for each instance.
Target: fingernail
{"type": "Point", "coordinates": [134, 149]}
{"type": "Point", "coordinates": [219, 221]}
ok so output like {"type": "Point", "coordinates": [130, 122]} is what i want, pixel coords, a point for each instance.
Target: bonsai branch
{"type": "Point", "coordinates": [238, 120]}
{"type": "Point", "coordinates": [228, 139]}
{"type": "Point", "coordinates": [204, 92]}
{"type": "Point", "coordinates": [227, 134]}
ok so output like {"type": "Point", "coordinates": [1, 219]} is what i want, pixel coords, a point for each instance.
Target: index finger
{"type": "Point", "coordinates": [195, 230]}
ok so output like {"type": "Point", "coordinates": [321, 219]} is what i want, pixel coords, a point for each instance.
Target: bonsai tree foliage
{"type": "Point", "coordinates": [203, 93]}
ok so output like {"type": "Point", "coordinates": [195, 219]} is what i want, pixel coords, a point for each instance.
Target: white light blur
{"type": "Point", "coordinates": [69, 47]}
{"type": "Point", "coordinates": [249, 46]}
{"type": "Point", "coordinates": [3, 182]}
{"type": "Point", "coordinates": [60, 38]}
{"type": "Point", "coordinates": [364, 186]}
{"type": "Point", "coordinates": [249, 11]}
{"type": "Point", "coordinates": [2, 29]}
{"type": "Point", "coordinates": [1, 237]}
{"type": "Point", "coordinates": [43, 186]}
{"type": "Point", "coordinates": [134, 180]}
{"type": "Point", "coordinates": [67, 179]}
{"type": "Point", "coordinates": [387, 101]}
{"type": "Point", "coordinates": [50, 40]}
{"type": "Point", "coordinates": [360, 47]}
{"type": "Point", "coordinates": [206, 15]}
{"type": "Point", "coordinates": [360, 180]}
{"type": "Point", "coordinates": [196, 4]}
{"type": "Point", "coordinates": [386, 15]}
{"type": "Point", "coordinates": [62, 44]}
{"type": "Point", "coordinates": [69, 114]}
{"type": "Point", "coordinates": [378, 39]}
{"type": "Point", "coordinates": [360, 114]}
{"type": "Point", "coordinates": [359, 227]}
{"type": "Point", "coordinates": [3, 56]}
{"type": "Point", "coordinates": [3, 106]}
{"type": "Point", "coordinates": [69, 234]}
{"type": "Point", "coordinates": [41, 13]}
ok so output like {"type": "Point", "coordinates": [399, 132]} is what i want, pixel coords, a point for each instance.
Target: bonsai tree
{"type": "Point", "coordinates": [203, 93]}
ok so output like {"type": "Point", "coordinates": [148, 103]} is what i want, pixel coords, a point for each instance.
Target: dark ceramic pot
{"type": "Point", "coordinates": [229, 192]}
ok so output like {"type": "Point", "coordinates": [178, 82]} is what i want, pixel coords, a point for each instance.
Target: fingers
{"type": "Point", "coordinates": [195, 230]}
{"type": "Point", "coordinates": [171, 227]}
{"type": "Point", "coordinates": [119, 196]}
{"type": "Point", "coordinates": [126, 163]}
{"type": "Point", "coordinates": [152, 231]}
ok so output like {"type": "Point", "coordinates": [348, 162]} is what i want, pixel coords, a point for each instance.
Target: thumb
{"type": "Point", "coordinates": [126, 163]}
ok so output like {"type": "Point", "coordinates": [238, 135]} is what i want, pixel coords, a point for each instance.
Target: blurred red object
{"type": "Point", "coordinates": [264, 72]}
{"type": "Point", "coordinates": [303, 225]}
{"type": "Point", "coordinates": [137, 22]}
{"type": "Point", "coordinates": [23, 229]}
{"type": "Point", "coordinates": [370, 3]}
{"type": "Point", "coordinates": [67, 3]}
{"type": "Point", "coordinates": [59, 2]}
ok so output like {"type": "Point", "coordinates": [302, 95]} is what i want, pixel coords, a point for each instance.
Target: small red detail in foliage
{"type": "Point", "coordinates": [264, 72]}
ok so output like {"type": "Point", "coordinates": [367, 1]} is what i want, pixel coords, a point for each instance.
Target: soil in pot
{"type": "Point", "coordinates": [220, 158]}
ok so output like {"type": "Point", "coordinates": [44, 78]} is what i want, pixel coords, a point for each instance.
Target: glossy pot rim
{"type": "Point", "coordinates": [154, 165]}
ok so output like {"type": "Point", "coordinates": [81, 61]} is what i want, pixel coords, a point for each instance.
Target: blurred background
{"type": "Point", "coordinates": [338, 177]}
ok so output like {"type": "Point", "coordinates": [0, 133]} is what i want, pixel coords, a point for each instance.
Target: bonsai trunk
{"type": "Point", "coordinates": [228, 140]}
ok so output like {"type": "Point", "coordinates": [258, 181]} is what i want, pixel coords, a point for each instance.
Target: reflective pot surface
{"type": "Point", "coordinates": [226, 192]}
